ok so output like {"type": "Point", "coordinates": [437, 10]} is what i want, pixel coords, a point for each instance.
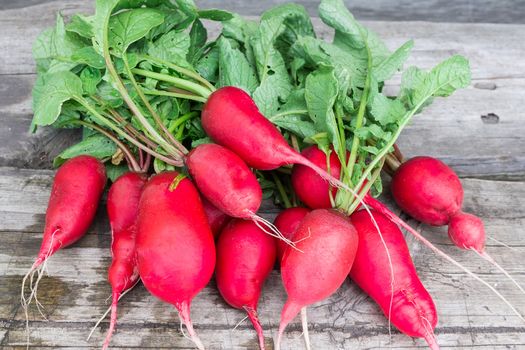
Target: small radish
{"type": "Point", "coordinates": [431, 192]}
{"type": "Point", "coordinates": [227, 182]}
{"type": "Point", "coordinates": [123, 207]}
{"type": "Point", "coordinates": [326, 243]}
{"type": "Point", "coordinates": [311, 189]}
{"type": "Point", "coordinates": [230, 112]}
{"type": "Point", "coordinates": [391, 280]}
{"type": "Point", "coordinates": [245, 258]}
{"type": "Point", "coordinates": [76, 191]}
{"type": "Point", "coordinates": [175, 247]}
{"type": "Point", "coordinates": [216, 218]}
{"type": "Point", "coordinates": [287, 223]}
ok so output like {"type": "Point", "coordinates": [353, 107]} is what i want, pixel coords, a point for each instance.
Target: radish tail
{"type": "Point", "coordinates": [270, 228]}
{"type": "Point", "coordinates": [121, 295]}
{"type": "Point", "coordinates": [113, 320]}
{"type": "Point", "coordinates": [432, 341]}
{"type": "Point", "coordinates": [290, 310]}
{"type": "Point", "coordinates": [184, 314]}
{"type": "Point", "coordinates": [304, 322]}
{"type": "Point", "coordinates": [252, 315]}
{"type": "Point", "coordinates": [488, 258]}
{"type": "Point", "coordinates": [395, 219]}
{"type": "Point", "coordinates": [501, 243]}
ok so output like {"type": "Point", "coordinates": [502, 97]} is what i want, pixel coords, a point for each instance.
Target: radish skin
{"type": "Point", "coordinates": [216, 218]}
{"type": "Point", "coordinates": [407, 304]}
{"type": "Point", "coordinates": [230, 111]}
{"type": "Point", "coordinates": [76, 191]}
{"type": "Point", "coordinates": [175, 246]}
{"type": "Point", "coordinates": [287, 222]}
{"type": "Point", "coordinates": [227, 182]}
{"type": "Point", "coordinates": [123, 208]}
{"type": "Point", "coordinates": [245, 258]}
{"type": "Point", "coordinates": [326, 247]}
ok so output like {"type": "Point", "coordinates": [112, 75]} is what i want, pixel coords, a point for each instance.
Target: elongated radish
{"type": "Point", "coordinates": [227, 182]}
{"type": "Point", "coordinates": [431, 192]}
{"type": "Point", "coordinates": [230, 112]}
{"type": "Point", "coordinates": [326, 247]}
{"type": "Point", "coordinates": [401, 295]}
{"type": "Point", "coordinates": [287, 223]}
{"type": "Point", "coordinates": [311, 189]}
{"type": "Point", "coordinates": [123, 209]}
{"type": "Point", "coordinates": [175, 247]}
{"type": "Point", "coordinates": [216, 218]}
{"type": "Point", "coordinates": [245, 258]}
{"type": "Point", "coordinates": [76, 191]}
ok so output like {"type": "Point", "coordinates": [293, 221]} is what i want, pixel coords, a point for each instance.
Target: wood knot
{"type": "Point", "coordinates": [490, 118]}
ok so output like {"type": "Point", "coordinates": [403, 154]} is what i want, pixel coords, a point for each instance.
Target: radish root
{"type": "Point", "coordinates": [184, 314]}
{"type": "Point", "coordinates": [304, 322]}
{"type": "Point", "coordinates": [252, 315]}
{"type": "Point", "coordinates": [489, 259]}
{"type": "Point", "coordinates": [270, 229]}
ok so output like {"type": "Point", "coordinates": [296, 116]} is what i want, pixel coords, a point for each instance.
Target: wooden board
{"type": "Point", "coordinates": [74, 295]}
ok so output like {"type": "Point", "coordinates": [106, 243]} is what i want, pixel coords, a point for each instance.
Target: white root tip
{"type": "Point", "coordinates": [489, 259]}
{"type": "Point", "coordinates": [304, 322]}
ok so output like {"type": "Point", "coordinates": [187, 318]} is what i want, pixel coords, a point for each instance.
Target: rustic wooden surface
{"type": "Point", "coordinates": [479, 131]}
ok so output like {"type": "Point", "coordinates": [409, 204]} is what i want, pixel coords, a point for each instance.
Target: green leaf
{"type": "Point", "coordinates": [387, 68]}
{"type": "Point", "coordinates": [53, 48]}
{"type": "Point", "coordinates": [49, 94]}
{"type": "Point", "coordinates": [90, 78]}
{"type": "Point", "coordinates": [113, 171]}
{"type": "Point", "coordinates": [171, 47]}
{"type": "Point", "coordinates": [127, 27]}
{"type": "Point", "coordinates": [418, 86]}
{"type": "Point", "coordinates": [234, 68]}
{"type": "Point", "coordinates": [216, 15]}
{"type": "Point", "coordinates": [97, 146]}
{"type": "Point", "coordinates": [208, 65]}
{"type": "Point", "coordinates": [386, 111]}
{"type": "Point", "coordinates": [198, 36]}
{"type": "Point", "coordinates": [321, 93]}
{"type": "Point", "coordinates": [88, 56]}
{"type": "Point", "coordinates": [82, 25]}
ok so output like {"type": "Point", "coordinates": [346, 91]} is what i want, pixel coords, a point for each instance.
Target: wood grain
{"type": "Point", "coordinates": [74, 294]}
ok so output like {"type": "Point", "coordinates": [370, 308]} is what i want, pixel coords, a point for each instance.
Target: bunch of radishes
{"type": "Point", "coordinates": [198, 214]}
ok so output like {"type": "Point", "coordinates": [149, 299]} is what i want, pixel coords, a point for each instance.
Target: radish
{"type": "Point", "coordinates": [227, 182]}
{"type": "Point", "coordinates": [311, 189]}
{"type": "Point", "coordinates": [175, 248]}
{"type": "Point", "coordinates": [123, 208]}
{"type": "Point", "coordinates": [245, 258]}
{"type": "Point", "coordinates": [326, 243]}
{"type": "Point", "coordinates": [216, 218]}
{"type": "Point", "coordinates": [76, 191]}
{"type": "Point", "coordinates": [287, 223]}
{"type": "Point", "coordinates": [229, 111]}
{"type": "Point", "coordinates": [400, 294]}
{"type": "Point", "coordinates": [431, 192]}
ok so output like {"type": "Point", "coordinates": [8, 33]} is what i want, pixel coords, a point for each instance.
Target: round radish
{"type": "Point", "coordinates": [245, 258]}
{"type": "Point", "coordinates": [175, 248]}
{"type": "Point", "coordinates": [216, 218]}
{"type": "Point", "coordinates": [311, 189]}
{"type": "Point", "coordinates": [325, 250]}
{"type": "Point", "coordinates": [287, 223]}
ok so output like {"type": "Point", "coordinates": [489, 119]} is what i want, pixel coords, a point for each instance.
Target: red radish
{"type": "Point", "coordinates": [175, 247]}
{"type": "Point", "coordinates": [245, 258]}
{"type": "Point", "coordinates": [216, 218]}
{"type": "Point", "coordinates": [381, 208]}
{"type": "Point", "coordinates": [287, 223]}
{"type": "Point", "coordinates": [227, 182]}
{"type": "Point", "coordinates": [311, 189]}
{"type": "Point", "coordinates": [123, 209]}
{"type": "Point", "coordinates": [75, 194]}
{"type": "Point", "coordinates": [230, 112]}
{"type": "Point", "coordinates": [400, 294]}
{"type": "Point", "coordinates": [326, 247]}
{"type": "Point", "coordinates": [431, 192]}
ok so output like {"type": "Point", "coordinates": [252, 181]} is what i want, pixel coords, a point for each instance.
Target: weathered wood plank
{"type": "Point", "coordinates": [491, 11]}
{"type": "Point", "coordinates": [487, 114]}
{"type": "Point", "coordinates": [74, 294]}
